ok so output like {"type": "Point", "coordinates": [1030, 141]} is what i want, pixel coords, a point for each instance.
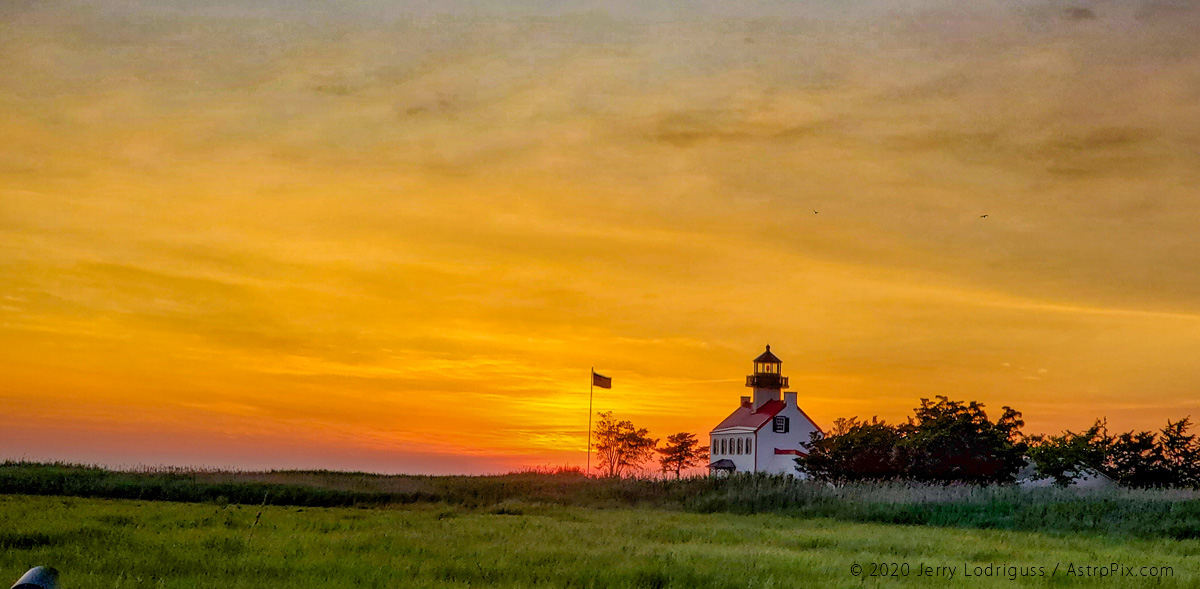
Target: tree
{"type": "Point", "coordinates": [620, 447]}
{"type": "Point", "coordinates": [1065, 457]}
{"type": "Point", "coordinates": [945, 441]}
{"type": "Point", "coordinates": [949, 441]}
{"type": "Point", "coordinates": [1136, 460]}
{"type": "Point", "coordinates": [682, 451]}
{"type": "Point", "coordinates": [1180, 453]}
{"type": "Point", "coordinates": [855, 451]}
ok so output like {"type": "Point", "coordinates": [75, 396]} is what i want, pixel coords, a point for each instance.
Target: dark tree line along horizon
{"type": "Point", "coordinates": [1169, 457]}
{"type": "Point", "coordinates": [943, 442]}
{"type": "Point", "coordinates": [954, 442]}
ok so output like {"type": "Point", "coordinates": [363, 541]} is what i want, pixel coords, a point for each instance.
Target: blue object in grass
{"type": "Point", "coordinates": [38, 578]}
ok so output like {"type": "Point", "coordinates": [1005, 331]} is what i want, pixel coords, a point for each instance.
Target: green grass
{"type": "Point", "coordinates": [1120, 512]}
{"type": "Point", "coordinates": [123, 543]}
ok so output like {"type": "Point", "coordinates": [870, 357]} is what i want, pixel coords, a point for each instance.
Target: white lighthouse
{"type": "Point", "coordinates": [767, 431]}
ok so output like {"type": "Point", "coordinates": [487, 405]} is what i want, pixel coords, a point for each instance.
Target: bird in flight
{"type": "Point", "coordinates": [815, 211]}
{"type": "Point", "coordinates": [982, 216]}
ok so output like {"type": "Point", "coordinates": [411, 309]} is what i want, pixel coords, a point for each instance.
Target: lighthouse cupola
{"type": "Point", "coordinates": [767, 381]}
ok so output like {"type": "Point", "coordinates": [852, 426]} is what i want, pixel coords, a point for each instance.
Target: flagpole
{"type": "Point", "coordinates": [591, 389]}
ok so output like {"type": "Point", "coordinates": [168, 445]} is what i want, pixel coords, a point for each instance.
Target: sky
{"type": "Point", "coordinates": [396, 237]}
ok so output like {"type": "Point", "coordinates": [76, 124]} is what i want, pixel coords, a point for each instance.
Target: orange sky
{"type": "Point", "coordinates": [396, 237]}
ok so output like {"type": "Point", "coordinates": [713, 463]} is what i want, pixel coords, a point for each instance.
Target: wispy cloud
{"type": "Point", "coordinates": [360, 222]}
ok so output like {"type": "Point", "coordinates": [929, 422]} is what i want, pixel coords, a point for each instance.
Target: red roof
{"type": "Point", "coordinates": [792, 452]}
{"type": "Point", "coordinates": [742, 417]}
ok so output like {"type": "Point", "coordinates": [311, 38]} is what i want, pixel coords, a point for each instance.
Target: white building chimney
{"type": "Point", "coordinates": [762, 395]}
{"type": "Point", "coordinates": [789, 398]}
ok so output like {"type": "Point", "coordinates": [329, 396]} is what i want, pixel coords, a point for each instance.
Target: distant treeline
{"type": "Point", "coordinates": [172, 485]}
{"type": "Point", "coordinates": [1146, 513]}
{"type": "Point", "coordinates": [954, 442]}
{"type": "Point", "coordinates": [339, 489]}
{"type": "Point", "coordinates": [1169, 457]}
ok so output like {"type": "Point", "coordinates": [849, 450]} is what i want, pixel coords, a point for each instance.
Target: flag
{"type": "Point", "coordinates": [601, 381]}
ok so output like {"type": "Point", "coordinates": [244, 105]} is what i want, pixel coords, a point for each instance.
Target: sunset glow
{"type": "Point", "coordinates": [398, 238]}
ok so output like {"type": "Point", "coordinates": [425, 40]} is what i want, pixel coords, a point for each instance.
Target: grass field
{"type": "Point", "coordinates": [127, 543]}
{"type": "Point", "coordinates": [1145, 513]}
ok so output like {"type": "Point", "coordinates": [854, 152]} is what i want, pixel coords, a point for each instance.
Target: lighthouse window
{"type": "Point", "coordinates": [748, 445]}
{"type": "Point", "coordinates": [781, 424]}
{"type": "Point", "coordinates": [722, 443]}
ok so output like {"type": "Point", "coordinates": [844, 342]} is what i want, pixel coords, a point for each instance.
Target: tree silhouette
{"type": "Point", "coordinates": [951, 441]}
{"type": "Point", "coordinates": [620, 447]}
{"type": "Point", "coordinates": [944, 442]}
{"type": "Point", "coordinates": [855, 450]}
{"type": "Point", "coordinates": [682, 451]}
{"type": "Point", "coordinates": [1067, 456]}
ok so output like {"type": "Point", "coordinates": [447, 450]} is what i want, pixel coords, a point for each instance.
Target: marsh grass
{"type": "Point", "coordinates": [122, 543]}
{"type": "Point", "coordinates": [1142, 513]}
